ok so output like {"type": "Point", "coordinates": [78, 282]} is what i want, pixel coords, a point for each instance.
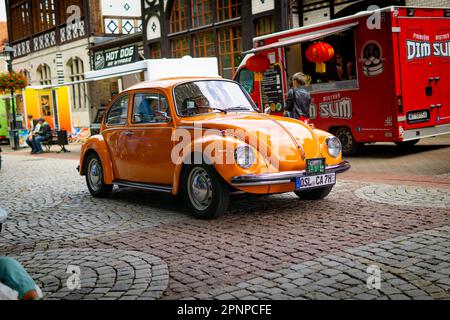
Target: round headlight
{"type": "Point", "coordinates": [334, 147]}
{"type": "Point", "coordinates": [244, 156]}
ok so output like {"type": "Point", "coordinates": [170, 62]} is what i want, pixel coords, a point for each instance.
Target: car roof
{"type": "Point", "coordinates": [168, 83]}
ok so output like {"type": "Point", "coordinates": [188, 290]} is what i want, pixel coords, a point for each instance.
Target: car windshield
{"type": "Point", "coordinates": [211, 96]}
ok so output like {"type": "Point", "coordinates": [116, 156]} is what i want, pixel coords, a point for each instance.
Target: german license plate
{"type": "Point", "coordinates": [315, 166]}
{"type": "Point", "coordinates": [312, 182]}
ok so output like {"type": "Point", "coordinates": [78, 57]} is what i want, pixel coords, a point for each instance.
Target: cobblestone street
{"type": "Point", "coordinates": [391, 212]}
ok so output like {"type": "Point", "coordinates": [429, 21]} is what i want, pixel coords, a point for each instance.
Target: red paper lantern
{"type": "Point", "coordinates": [320, 52]}
{"type": "Point", "coordinates": [258, 63]}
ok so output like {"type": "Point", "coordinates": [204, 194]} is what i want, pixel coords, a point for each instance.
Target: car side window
{"type": "Point", "coordinates": [118, 113]}
{"type": "Point", "coordinates": [247, 79]}
{"type": "Point", "coordinates": [150, 107]}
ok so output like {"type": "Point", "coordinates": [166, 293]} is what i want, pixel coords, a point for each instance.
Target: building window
{"type": "Point", "coordinates": [179, 19]}
{"type": "Point", "coordinates": [180, 47]}
{"type": "Point", "coordinates": [230, 48]}
{"type": "Point", "coordinates": [264, 26]}
{"type": "Point", "coordinates": [122, 25]}
{"type": "Point", "coordinates": [201, 13]}
{"type": "Point", "coordinates": [44, 17]}
{"type": "Point", "coordinates": [228, 9]}
{"type": "Point", "coordinates": [155, 51]}
{"type": "Point", "coordinates": [64, 5]}
{"type": "Point", "coordinates": [20, 14]}
{"type": "Point", "coordinates": [44, 75]}
{"type": "Point", "coordinates": [204, 44]}
{"type": "Point", "coordinates": [75, 68]}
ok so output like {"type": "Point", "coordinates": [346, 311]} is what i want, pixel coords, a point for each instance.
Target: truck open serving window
{"type": "Point", "coordinates": [340, 72]}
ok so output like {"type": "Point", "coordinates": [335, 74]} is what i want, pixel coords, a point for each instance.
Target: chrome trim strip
{"type": "Point", "coordinates": [151, 187]}
{"type": "Point", "coordinates": [282, 177]}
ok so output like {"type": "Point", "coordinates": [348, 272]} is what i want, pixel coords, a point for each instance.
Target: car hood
{"type": "Point", "coordinates": [289, 141]}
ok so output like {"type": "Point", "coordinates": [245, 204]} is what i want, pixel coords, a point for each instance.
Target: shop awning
{"type": "Point", "coordinates": [114, 72]}
{"type": "Point", "coordinates": [311, 36]}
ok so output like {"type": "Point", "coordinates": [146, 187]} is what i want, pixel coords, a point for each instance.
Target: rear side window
{"type": "Point", "coordinates": [118, 113]}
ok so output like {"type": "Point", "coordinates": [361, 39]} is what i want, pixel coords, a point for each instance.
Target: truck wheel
{"type": "Point", "coordinates": [349, 146]}
{"type": "Point", "coordinates": [94, 178]}
{"type": "Point", "coordinates": [315, 194]}
{"type": "Point", "coordinates": [407, 144]}
{"type": "Point", "coordinates": [204, 192]}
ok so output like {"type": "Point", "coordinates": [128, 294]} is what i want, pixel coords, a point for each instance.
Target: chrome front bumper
{"type": "Point", "coordinates": [286, 177]}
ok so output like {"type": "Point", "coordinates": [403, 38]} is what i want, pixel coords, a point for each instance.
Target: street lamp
{"type": "Point", "coordinates": [8, 53]}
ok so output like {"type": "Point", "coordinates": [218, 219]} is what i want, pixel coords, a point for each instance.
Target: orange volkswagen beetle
{"type": "Point", "coordinates": [206, 139]}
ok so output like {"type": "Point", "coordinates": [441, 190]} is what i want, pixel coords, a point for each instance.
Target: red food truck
{"type": "Point", "coordinates": [387, 79]}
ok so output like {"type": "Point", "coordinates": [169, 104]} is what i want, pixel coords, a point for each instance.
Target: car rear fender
{"type": "Point", "coordinates": [98, 145]}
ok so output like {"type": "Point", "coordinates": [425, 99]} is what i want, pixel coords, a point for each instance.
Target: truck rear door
{"type": "Point", "coordinates": [424, 46]}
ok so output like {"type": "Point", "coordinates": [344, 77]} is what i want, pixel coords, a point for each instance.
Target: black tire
{"type": "Point", "coordinates": [315, 194]}
{"type": "Point", "coordinates": [407, 144]}
{"type": "Point", "coordinates": [217, 195]}
{"type": "Point", "coordinates": [350, 147]}
{"type": "Point", "coordinates": [97, 188]}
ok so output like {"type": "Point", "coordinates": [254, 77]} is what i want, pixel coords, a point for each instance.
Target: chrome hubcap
{"type": "Point", "coordinates": [200, 189]}
{"type": "Point", "coordinates": [95, 174]}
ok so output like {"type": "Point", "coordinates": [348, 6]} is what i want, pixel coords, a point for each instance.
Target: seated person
{"type": "Point", "coordinates": [44, 134]}
{"type": "Point", "coordinates": [145, 111]}
{"type": "Point", "coordinates": [34, 129]}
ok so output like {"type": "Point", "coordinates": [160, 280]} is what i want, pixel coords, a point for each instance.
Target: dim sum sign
{"type": "Point", "coordinates": [115, 57]}
{"type": "Point", "coordinates": [422, 46]}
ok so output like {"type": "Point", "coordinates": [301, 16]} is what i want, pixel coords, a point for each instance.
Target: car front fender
{"type": "Point", "coordinates": [218, 150]}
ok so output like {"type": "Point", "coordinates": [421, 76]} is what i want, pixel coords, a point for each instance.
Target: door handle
{"type": "Point", "coordinates": [434, 79]}
{"type": "Point", "coordinates": [128, 133]}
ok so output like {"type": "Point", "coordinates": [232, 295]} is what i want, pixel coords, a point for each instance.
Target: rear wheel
{"type": "Point", "coordinates": [349, 145]}
{"type": "Point", "coordinates": [407, 144]}
{"type": "Point", "coordinates": [315, 194]}
{"type": "Point", "coordinates": [94, 177]}
{"type": "Point", "coordinates": [204, 192]}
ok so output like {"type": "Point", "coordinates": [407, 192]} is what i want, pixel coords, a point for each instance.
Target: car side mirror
{"type": "Point", "coordinates": [137, 118]}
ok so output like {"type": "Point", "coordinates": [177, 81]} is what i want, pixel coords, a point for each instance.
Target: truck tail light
{"type": "Point", "coordinates": [400, 104]}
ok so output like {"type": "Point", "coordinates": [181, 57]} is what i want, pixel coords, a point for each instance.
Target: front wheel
{"type": "Point", "coordinates": [315, 194]}
{"type": "Point", "coordinates": [349, 145]}
{"type": "Point", "coordinates": [204, 192]}
{"type": "Point", "coordinates": [94, 178]}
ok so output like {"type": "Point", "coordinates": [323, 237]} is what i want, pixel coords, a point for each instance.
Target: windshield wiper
{"type": "Point", "coordinates": [239, 108]}
{"type": "Point", "coordinates": [212, 108]}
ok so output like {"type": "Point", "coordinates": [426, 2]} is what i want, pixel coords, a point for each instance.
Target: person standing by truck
{"type": "Point", "coordinates": [299, 100]}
